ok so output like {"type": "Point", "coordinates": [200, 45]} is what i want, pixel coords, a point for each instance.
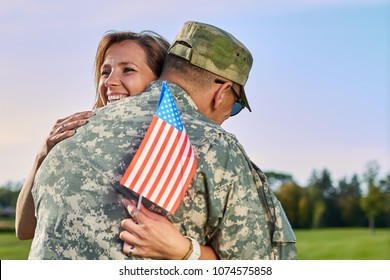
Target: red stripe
{"type": "Point", "coordinates": [186, 184]}
{"type": "Point", "coordinates": [137, 155]}
{"type": "Point", "coordinates": [174, 145]}
{"type": "Point", "coordinates": [179, 179]}
{"type": "Point", "coordinates": [147, 159]}
{"type": "Point", "coordinates": [156, 161]}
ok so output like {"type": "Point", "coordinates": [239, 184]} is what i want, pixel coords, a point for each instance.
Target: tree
{"type": "Point", "coordinates": [277, 179]}
{"type": "Point", "coordinates": [9, 193]}
{"type": "Point", "coordinates": [305, 210]}
{"type": "Point", "coordinates": [12, 185]}
{"type": "Point", "coordinates": [323, 195]}
{"type": "Point", "coordinates": [375, 202]}
{"type": "Point", "coordinates": [289, 195]}
{"type": "Point", "coordinates": [349, 196]}
{"type": "Point", "coordinates": [384, 185]}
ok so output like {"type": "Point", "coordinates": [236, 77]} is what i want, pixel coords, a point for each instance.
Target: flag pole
{"type": "Point", "coordinates": [139, 202]}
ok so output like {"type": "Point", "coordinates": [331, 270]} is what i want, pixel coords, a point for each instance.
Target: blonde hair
{"type": "Point", "coordinates": [154, 45]}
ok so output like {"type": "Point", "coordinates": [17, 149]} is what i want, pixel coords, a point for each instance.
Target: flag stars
{"type": "Point", "coordinates": [168, 112]}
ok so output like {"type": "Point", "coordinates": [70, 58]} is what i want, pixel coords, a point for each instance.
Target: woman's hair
{"type": "Point", "coordinates": [154, 45]}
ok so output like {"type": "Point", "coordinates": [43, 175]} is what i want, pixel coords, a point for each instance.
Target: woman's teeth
{"type": "Point", "coordinates": [112, 98]}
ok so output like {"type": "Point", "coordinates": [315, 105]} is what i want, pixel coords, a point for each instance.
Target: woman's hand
{"type": "Point", "coordinates": [150, 235]}
{"type": "Point", "coordinates": [64, 128]}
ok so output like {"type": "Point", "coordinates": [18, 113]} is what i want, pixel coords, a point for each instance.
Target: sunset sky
{"type": "Point", "coordinates": [319, 87]}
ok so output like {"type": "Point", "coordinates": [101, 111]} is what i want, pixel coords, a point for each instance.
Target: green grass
{"type": "Point", "coordinates": [320, 244]}
{"type": "Point", "coordinates": [343, 244]}
{"type": "Point", "coordinates": [12, 248]}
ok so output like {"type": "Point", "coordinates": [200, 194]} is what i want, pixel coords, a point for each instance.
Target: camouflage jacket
{"type": "Point", "coordinates": [228, 205]}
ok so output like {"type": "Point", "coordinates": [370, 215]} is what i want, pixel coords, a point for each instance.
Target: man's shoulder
{"type": "Point", "coordinates": [203, 132]}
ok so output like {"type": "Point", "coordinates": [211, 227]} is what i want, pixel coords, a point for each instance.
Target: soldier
{"type": "Point", "coordinates": [228, 206]}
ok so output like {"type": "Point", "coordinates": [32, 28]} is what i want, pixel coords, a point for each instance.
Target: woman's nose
{"type": "Point", "coordinates": [112, 80]}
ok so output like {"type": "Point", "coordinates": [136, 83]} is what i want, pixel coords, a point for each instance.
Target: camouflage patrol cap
{"type": "Point", "coordinates": [214, 50]}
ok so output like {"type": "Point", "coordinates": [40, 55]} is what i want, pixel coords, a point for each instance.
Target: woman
{"type": "Point", "coordinates": [147, 51]}
{"type": "Point", "coordinates": [125, 64]}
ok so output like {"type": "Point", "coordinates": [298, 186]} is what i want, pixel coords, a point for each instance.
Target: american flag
{"type": "Point", "coordinates": [164, 164]}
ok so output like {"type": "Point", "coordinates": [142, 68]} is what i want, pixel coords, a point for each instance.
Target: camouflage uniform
{"type": "Point", "coordinates": [228, 205]}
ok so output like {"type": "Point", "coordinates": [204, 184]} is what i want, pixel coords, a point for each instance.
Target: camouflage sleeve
{"type": "Point", "coordinates": [283, 237]}
{"type": "Point", "coordinates": [236, 220]}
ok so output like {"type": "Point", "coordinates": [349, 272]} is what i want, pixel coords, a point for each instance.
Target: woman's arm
{"type": "Point", "coordinates": [25, 220]}
{"type": "Point", "coordinates": [153, 236]}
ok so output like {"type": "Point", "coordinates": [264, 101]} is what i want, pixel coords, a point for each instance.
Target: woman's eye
{"type": "Point", "coordinates": [128, 69]}
{"type": "Point", "coordinates": [105, 73]}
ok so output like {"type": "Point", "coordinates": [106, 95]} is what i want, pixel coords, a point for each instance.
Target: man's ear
{"type": "Point", "coordinates": [217, 99]}
{"type": "Point", "coordinates": [220, 94]}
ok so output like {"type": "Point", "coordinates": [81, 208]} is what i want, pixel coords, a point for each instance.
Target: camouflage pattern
{"type": "Point", "coordinates": [228, 205]}
{"type": "Point", "coordinates": [282, 235]}
{"type": "Point", "coordinates": [214, 50]}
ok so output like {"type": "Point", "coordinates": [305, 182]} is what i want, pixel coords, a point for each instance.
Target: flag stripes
{"type": "Point", "coordinates": [163, 166]}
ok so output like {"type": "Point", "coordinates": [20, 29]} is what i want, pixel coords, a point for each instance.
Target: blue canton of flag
{"type": "Point", "coordinates": [167, 110]}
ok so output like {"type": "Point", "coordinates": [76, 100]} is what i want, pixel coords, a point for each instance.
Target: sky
{"type": "Point", "coordinates": [319, 86]}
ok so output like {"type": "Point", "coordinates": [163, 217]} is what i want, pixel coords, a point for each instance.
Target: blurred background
{"type": "Point", "coordinates": [319, 93]}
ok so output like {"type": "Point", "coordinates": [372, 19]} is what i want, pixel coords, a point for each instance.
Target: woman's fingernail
{"type": "Point", "coordinates": [130, 208]}
{"type": "Point", "coordinates": [125, 202]}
